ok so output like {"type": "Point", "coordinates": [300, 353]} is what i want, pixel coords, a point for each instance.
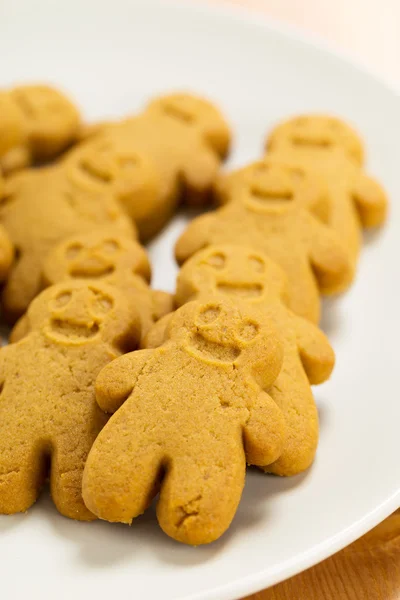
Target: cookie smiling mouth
{"type": "Point", "coordinates": [244, 290]}
{"type": "Point", "coordinates": [92, 272]}
{"type": "Point", "coordinates": [212, 350]}
{"type": "Point", "coordinates": [69, 330]}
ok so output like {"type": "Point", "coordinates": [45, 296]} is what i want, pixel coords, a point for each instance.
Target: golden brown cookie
{"type": "Point", "coordinates": [38, 210]}
{"type": "Point", "coordinates": [189, 415]}
{"type": "Point", "coordinates": [329, 147]}
{"type": "Point", "coordinates": [175, 148]}
{"type": "Point", "coordinates": [48, 411]}
{"type": "Point", "coordinates": [48, 122]}
{"type": "Point", "coordinates": [271, 210]}
{"type": "Point", "coordinates": [250, 279]}
{"type": "Point", "coordinates": [112, 259]}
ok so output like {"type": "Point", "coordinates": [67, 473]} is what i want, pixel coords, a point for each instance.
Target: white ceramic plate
{"type": "Point", "coordinates": [112, 56]}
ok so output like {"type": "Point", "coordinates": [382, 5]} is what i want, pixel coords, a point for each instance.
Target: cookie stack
{"type": "Point", "coordinates": [225, 367]}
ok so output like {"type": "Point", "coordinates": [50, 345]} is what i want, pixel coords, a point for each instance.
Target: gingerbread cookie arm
{"type": "Point", "coordinates": [158, 333]}
{"type": "Point", "coordinates": [191, 508]}
{"type": "Point", "coordinates": [194, 238]}
{"type": "Point", "coordinates": [264, 432]}
{"type": "Point", "coordinates": [316, 353]}
{"type": "Point", "coordinates": [116, 381]}
{"type": "Point", "coordinates": [23, 284]}
{"type": "Point", "coordinates": [6, 253]}
{"type": "Point", "coordinates": [20, 329]}
{"type": "Point", "coordinates": [371, 201]}
{"type": "Point", "coordinates": [200, 173]}
{"type": "Point", "coordinates": [328, 257]}
{"type": "Point", "coordinates": [163, 303]}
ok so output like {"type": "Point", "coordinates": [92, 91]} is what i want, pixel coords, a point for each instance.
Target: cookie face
{"type": "Point", "coordinates": [317, 133]}
{"type": "Point", "coordinates": [194, 440]}
{"type": "Point", "coordinates": [199, 114]}
{"type": "Point", "coordinates": [266, 213]}
{"type": "Point", "coordinates": [49, 416]}
{"type": "Point", "coordinates": [274, 185]}
{"type": "Point", "coordinates": [108, 163]}
{"type": "Point", "coordinates": [100, 254]}
{"type": "Point", "coordinates": [38, 210]}
{"type": "Point", "coordinates": [235, 271]}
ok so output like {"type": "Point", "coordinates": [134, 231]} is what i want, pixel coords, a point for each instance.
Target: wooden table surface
{"type": "Point", "coordinates": [369, 30]}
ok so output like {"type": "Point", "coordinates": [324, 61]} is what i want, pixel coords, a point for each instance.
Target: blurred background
{"type": "Point", "coordinates": [368, 30]}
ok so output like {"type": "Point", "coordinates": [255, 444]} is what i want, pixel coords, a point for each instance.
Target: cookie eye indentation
{"type": "Point", "coordinates": [209, 314]}
{"type": "Point", "coordinates": [311, 142]}
{"type": "Point", "coordinates": [62, 299]}
{"type": "Point", "coordinates": [101, 303]}
{"type": "Point", "coordinates": [73, 250]}
{"type": "Point", "coordinates": [110, 246]}
{"type": "Point", "coordinates": [248, 331]}
{"type": "Point", "coordinates": [95, 171]}
{"type": "Point", "coordinates": [257, 264]}
{"type": "Point", "coordinates": [217, 260]}
{"type": "Point", "coordinates": [178, 112]}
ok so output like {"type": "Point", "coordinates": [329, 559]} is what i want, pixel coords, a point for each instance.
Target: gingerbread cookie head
{"type": "Point", "coordinates": [107, 162]}
{"type": "Point", "coordinates": [310, 134]}
{"type": "Point", "coordinates": [197, 113]}
{"type": "Point", "coordinates": [76, 313]}
{"type": "Point", "coordinates": [220, 333]}
{"type": "Point", "coordinates": [274, 187]}
{"type": "Point", "coordinates": [236, 272]}
{"type": "Point", "coordinates": [51, 121]}
{"type": "Point", "coordinates": [100, 255]}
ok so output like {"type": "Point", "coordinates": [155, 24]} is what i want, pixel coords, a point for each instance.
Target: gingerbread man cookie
{"type": "Point", "coordinates": [252, 280]}
{"type": "Point", "coordinates": [44, 123]}
{"type": "Point", "coordinates": [271, 210]}
{"type": "Point", "coordinates": [48, 411]}
{"type": "Point", "coordinates": [189, 415]}
{"type": "Point", "coordinates": [112, 259]}
{"type": "Point", "coordinates": [176, 146]}
{"type": "Point", "coordinates": [38, 210]}
{"type": "Point", "coordinates": [329, 147]}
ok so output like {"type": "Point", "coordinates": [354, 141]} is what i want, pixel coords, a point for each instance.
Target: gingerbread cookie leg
{"type": "Point", "coordinates": [371, 201]}
{"type": "Point", "coordinates": [124, 489]}
{"type": "Point", "coordinates": [22, 472]}
{"type": "Point", "coordinates": [190, 508]}
{"type": "Point", "coordinates": [194, 238]}
{"type": "Point", "coordinates": [67, 466]}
